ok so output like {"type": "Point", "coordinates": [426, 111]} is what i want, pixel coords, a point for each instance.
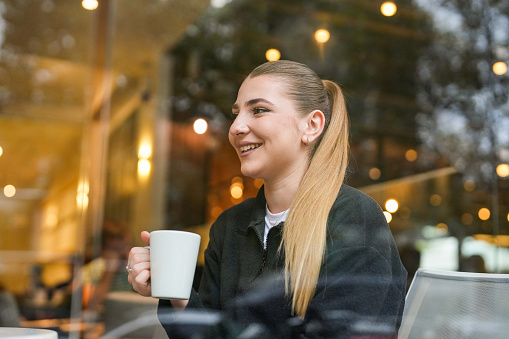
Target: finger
{"type": "Point", "coordinates": [145, 236]}
{"type": "Point", "coordinates": [139, 258]}
{"type": "Point", "coordinates": [142, 278]}
{"type": "Point", "coordinates": [137, 254]}
{"type": "Point", "coordinates": [140, 267]}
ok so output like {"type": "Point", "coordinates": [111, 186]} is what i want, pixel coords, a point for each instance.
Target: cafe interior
{"type": "Point", "coordinates": [114, 118]}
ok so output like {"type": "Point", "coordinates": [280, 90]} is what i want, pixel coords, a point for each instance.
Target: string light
{"type": "Point", "coordinates": [9, 191]}
{"type": "Point", "coordinates": [272, 54]}
{"type": "Point", "coordinates": [500, 68]}
{"type": "Point", "coordinates": [90, 4]}
{"type": "Point", "coordinates": [503, 170]}
{"type": "Point", "coordinates": [411, 155]}
{"type": "Point", "coordinates": [200, 126]}
{"type": "Point", "coordinates": [388, 8]}
{"type": "Point", "coordinates": [391, 205]}
{"type": "Point", "coordinates": [484, 213]}
{"type": "Point", "coordinates": [374, 173]}
{"type": "Point", "coordinates": [322, 36]}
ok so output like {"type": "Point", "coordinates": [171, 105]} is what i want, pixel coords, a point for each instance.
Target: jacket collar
{"type": "Point", "coordinates": [257, 219]}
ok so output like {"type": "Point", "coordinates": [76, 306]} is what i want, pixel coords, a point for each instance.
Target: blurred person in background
{"type": "Point", "coordinates": [9, 310]}
{"type": "Point", "coordinates": [309, 256]}
{"type": "Point", "coordinates": [106, 273]}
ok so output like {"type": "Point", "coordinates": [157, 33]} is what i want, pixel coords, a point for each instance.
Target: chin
{"type": "Point", "coordinates": [249, 172]}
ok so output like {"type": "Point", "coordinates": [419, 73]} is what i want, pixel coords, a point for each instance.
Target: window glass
{"type": "Point", "coordinates": [114, 120]}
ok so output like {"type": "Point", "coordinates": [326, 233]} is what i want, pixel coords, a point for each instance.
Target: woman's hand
{"type": "Point", "coordinates": [139, 267]}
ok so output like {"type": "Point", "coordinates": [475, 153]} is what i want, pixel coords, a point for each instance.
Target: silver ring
{"type": "Point", "coordinates": [128, 268]}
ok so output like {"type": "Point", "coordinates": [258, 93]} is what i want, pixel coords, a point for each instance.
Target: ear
{"type": "Point", "coordinates": [314, 124]}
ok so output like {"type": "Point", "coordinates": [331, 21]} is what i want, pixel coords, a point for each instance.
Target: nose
{"type": "Point", "coordinates": [239, 125]}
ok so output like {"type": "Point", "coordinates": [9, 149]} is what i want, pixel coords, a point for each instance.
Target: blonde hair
{"type": "Point", "coordinates": [304, 233]}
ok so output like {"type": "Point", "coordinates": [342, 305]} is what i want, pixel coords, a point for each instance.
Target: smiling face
{"type": "Point", "coordinates": [267, 131]}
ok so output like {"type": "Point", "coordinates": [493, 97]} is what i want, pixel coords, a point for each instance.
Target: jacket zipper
{"type": "Point", "coordinates": [262, 265]}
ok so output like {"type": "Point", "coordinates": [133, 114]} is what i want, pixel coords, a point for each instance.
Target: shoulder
{"type": "Point", "coordinates": [357, 219]}
{"type": "Point", "coordinates": [355, 204]}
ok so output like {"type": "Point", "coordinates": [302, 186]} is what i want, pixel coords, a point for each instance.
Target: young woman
{"type": "Point", "coordinates": [309, 256]}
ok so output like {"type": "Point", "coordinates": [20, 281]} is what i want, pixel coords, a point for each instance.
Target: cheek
{"type": "Point", "coordinates": [231, 139]}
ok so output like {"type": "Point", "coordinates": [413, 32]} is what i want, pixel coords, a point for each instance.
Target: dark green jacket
{"type": "Point", "coordinates": [361, 286]}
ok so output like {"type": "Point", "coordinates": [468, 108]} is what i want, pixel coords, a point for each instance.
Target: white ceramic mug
{"type": "Point", "coordinates": [173, 256]}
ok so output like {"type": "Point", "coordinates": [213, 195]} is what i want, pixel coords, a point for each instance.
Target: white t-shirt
{"type": "Point", "coordinates": [272, 220]}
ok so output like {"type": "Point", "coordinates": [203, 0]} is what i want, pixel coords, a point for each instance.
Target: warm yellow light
{"type": "Point", "coordinates": [467, 218]}
{"type": "Point", "coordinates": [435, 200]}
{"type": "Point", "coordinates": [322, 36]}
{"type": "Point", "coordinates": [237, 180]}
{"type": "Point", "coordinates": [411, 155]}
{"type": "Point", "coordinates": [374, 173]}
{"type": "Point", "coordinates": [143, 167]}
{"type": "Point", "coordinates": [1, 151]}
{"type": "Point", "coordinates": [388, 216]}
{"type": "Point", "coordinates": [484, 213]}
{"type": "Point", "coordinates": [90, 4]}
{"type": "Point", "coordinates": [82, 194]}
{"type": "Point", "coordinates": [391, 205]}
{"type": "Point", "coordinates": [145, 151]}
{"type": "Point", "coordinates": [442, 228]}
{"type": "Point", "coordinates": [388, 8]}
{"type": "Point", "coordinates": [9, 191]}
{"type": "Point", "coordinates": [51, 219]}
{"type": "Point", "coordinates": [507, 216]}
{"type": "Point", "coordinates": [503, 170]}
{"type": "Point", "coordinates": [469, 185]}
{"type": "Point", "coordinates": [236, 191]}
{"type": "Point", "coordinates": [272, 54]}
{"type": "Point", "coordinates": [500, 68]}
{"type": "Point", "coordinates": [200, 126]}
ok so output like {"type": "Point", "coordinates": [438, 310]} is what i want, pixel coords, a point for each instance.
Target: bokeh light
{"type": "Point", "coordinates": [391, 205]}
{"type": "Point", "coordinates": [469, 185]}
{"type": "Point", "coordinates": [322, 36]}
{"type": "Point", "coordinates": [9, 191]}
{"type": "Point", "coordinates": [200, 126]}
{"type": "Point", "coordinates": [1, 151]}
{"type": "Point", "coordinates": [144, 167]}
{"type": "Point", "coordinates": [90, 4]}
{"type": "Point", "coordinates": [500, 68]}
{"type": "Point", "coordinates": [272, 54]}
{"type": "Point", "coordinates": [411, 155]}
{"type": "Point", "coordinates": [388, 8]}
{"type": "Point", "coordinates": [388, 216]}
{"type": "Point", "coordinates": [442, 228]}
{"type": "Point", "coordinates": [484, 213]}
{"type": "Point", "coordinates": [374, 173]}
{"type": "Point", "coordinates": [467, 218]}
{"type": "Point", "coordinates": [145, 151]}
{"type": "Point", "coordinates": [435, 200]}
{"type": "Point", "coordinates": [503, 170]}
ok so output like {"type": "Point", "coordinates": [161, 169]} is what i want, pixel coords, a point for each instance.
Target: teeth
{"type": "Point", "coordinates": [249, 147]}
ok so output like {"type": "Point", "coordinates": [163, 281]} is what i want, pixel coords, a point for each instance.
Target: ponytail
{"type": "Point", "coordinates": [305, 228]}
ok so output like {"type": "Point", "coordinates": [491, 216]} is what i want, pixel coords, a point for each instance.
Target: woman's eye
{"type": "Point", "coordinates": [257, 110]}
{"type": "Point", "coordinates": [234, 115]}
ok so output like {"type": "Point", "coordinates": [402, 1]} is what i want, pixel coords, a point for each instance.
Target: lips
{"type": "Point", "coordinates": [249, 147]}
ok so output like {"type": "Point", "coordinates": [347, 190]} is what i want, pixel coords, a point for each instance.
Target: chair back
{"type": "Point", "coordinates": [448, 305]}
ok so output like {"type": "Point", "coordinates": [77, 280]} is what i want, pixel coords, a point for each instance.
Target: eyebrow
{"type": "Point", "coordinates": [253, 102]}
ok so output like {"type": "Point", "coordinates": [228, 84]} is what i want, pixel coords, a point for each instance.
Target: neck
{"type": "Point", "coordinates": [279, 194]}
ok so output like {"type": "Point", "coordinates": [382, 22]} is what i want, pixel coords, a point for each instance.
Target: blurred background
{"type": "Point", "coordinates": [114, 118]}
